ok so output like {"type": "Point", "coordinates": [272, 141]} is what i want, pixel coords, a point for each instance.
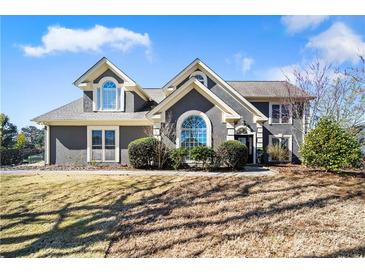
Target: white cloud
{"type": "Point", "coordinates": [298, 23]}
{"type": "Point", "coordinates": [338, 44]}
{"type": "Point", "coordinates": [244, 63]}
{"type": "Point", "coordinates": [282, 73]}
{"type": "Point", "coordinates": [61, 39]}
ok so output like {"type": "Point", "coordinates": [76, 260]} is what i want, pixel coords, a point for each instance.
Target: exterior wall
{"type": "Point", "coordinates": [108, 73]}
{"type": "Point", "coordinates": [285, 129]}
{"type": "Point", "coordinates": [68, 144]}
{"type": "Point", "coordinates": [88, 101]}
{"type": "Point", "coordinates": [133, 102]}
{"type": "Point", "coordinates": [195, 101]}
{"type": "Point", "coordinates": [247, 116]}
{"type": "Point", "coordinates": [128, 134]}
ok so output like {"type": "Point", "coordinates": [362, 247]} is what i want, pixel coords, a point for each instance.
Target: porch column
{"type": "Point", "coordinates": [259, 141]}
{"type": "Point", "coordinates": [48, 146]}
{"type": "Point", "coordinates": [230, 131]}
{"type": "Point", "coordinates": [157, 131]}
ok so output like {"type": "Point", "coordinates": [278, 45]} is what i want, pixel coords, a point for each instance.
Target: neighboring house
{"type": "Point", "coordinates": [203, 108]}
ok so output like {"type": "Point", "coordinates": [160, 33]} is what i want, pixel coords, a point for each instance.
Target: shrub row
{"type": "Point", "coordinates": [146, 153]}
{"type": "Point", "coordinates": [14, 156]}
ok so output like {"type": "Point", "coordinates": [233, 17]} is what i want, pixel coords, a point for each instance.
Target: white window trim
{"type": "Point", "coordinates": [290, 113]}
{"type": "Point", "coordinates": [198, 72]}
{"type": "Point", "coordinates": [89, 142]}
{"type": "Point", "coordinates": [290, 145]}
{"type": "Point", "coordinates": [249, 132]}
{"type": "Point", "coordinates": [120, 101]}
{"type": "Point", "coordinates": [185, 115]}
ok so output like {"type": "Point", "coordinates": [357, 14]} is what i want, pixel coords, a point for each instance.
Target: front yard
{"type": "Point", "coordinates": [297, 213]}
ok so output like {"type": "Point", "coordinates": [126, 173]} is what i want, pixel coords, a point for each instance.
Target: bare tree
{"type": "Point", "coordinates": [162, 148]}
{"type": "Point", "coordinates": [334, 92]}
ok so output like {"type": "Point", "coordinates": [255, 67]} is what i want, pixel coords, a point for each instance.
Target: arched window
{"type": "Point", "coordinates": [193, 132]}
{"type": "Point", "coordinates": [200, 76]}
{"type": "Point", "coordinates": [109, 96]}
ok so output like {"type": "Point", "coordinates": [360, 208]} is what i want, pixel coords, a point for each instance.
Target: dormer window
{"type": "Point", "coordinates": [109, 96]}
{"type": "Point", "coordinates": [200, 76]}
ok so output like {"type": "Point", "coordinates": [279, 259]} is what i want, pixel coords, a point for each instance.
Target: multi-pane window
{"type": "Point", "coordinates": [103, 145]}
{"type": "Point", "coordinates": [193, 132]}
{"type": "Point", "coordinates": [280, 113]}
{"type": "Point", "coordinates": [284, 143]}
{"type": "Point", "coordinates": [97, 145]}
{"type": "Point", "coordinates": [109, 145]}
{"type": "Point", "coordinates": [109, 94]}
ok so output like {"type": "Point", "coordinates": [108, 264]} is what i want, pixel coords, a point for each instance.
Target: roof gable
{"type": "Point", "coordinates": [193, 84]}
{"type": "Point", "coordinates": [197, 64]}
{"type": "Point", "coordinates": [101, 67]}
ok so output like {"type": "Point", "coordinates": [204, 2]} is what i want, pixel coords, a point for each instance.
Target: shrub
{"type": "Point", "coordinates": [10, 156]}
{"type": "Point", "coordinates": [202, 154]}
{"type": "Point", "coordinates": [278, 153]}
{"type": "Point", "coordinates": [330, 147]}
{"type": "Point", "coordinates": [177, 157]}
{"type": "Point", "coordinates": [233, 154]}
{"type": "Point", "coordinates": [142, 152]}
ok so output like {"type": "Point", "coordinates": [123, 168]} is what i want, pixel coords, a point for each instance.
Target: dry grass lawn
{"type": "Point", "coordinates": [297, 213]}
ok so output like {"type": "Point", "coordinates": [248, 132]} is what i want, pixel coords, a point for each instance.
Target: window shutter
{"type": "Point", "coordinates": [121, 101]}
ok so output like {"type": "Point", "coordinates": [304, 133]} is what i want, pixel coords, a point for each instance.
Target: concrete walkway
{"type": "Point", "coordinates": [250, 171]}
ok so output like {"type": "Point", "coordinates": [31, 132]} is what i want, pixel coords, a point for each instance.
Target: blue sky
{"type": "Point", "coordinates": [42, 55]}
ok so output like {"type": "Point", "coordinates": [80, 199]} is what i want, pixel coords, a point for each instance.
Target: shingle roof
{"type": "Point", "coordinates": [267, 89]}
{"type": "Point", "coordinates": [156, 94]}
{"type": "Point", "coordinates": [74, 111]}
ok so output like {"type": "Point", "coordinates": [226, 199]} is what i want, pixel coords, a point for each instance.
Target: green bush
{"type": "Point", "coordinates": [233, 154]}
{"type": "Point", "coordinates": [202, 154]}
{"type": "Point", "coordinates": [10, 156]}
{"type": "Point", "coordinates": [330, 147]}
{"type": "Point", "coordinates": [142, 152]}
{"type": "Point", "coordinates": [178, 156]}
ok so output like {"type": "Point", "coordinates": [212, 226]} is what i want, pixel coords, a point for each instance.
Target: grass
{"type": "Point", "coordinates": [298, 213]}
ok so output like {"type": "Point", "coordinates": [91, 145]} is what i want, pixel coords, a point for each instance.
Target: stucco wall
{"type": "Point", "coordinates": [195, 101]}
{"type": "Point", "coordinates": [284, 129]}
{"type": "Point", "coordinates": [68, 144]}
{"type": "Point", "coordinates": [128, 134]}
{"type": "Point", "coordinates": [108, 73]}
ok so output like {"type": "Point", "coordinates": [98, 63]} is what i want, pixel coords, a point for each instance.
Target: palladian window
{"type": "Point", "coordinates": [193, 132]}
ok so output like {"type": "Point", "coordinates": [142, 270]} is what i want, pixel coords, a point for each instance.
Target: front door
{"type": "Point", "coordinates": [248, 141]}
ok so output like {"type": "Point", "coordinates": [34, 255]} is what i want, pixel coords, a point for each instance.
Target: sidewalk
{"type": "Point", "coordinates": [250, 171]}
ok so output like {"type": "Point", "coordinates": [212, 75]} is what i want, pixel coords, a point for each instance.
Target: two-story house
{"type": "Point", "coordinates": [203, 109]}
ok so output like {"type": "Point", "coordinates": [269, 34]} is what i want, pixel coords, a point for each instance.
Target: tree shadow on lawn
{"type": "Point", "coordinates": [152, 228]}
{"type": "Point", "coordinates": [69, 240]}
{"type": "Point", "coordinates": [195, 216]}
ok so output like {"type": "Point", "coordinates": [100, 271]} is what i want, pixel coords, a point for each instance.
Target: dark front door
{"type": "Point", "coordinates": [248, 141]}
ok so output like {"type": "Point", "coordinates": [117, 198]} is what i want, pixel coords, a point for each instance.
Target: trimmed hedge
{"type": "Point", "coordinates": [330, 147]}
{"type": "Point", "coordinates": [233, 154]}
{"type": "Point", "coordinates": [202, 154]}
{"type": "Point", "coordinates": [178, 156]}
{"type": "Point", "coordinates": [142, 152]}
